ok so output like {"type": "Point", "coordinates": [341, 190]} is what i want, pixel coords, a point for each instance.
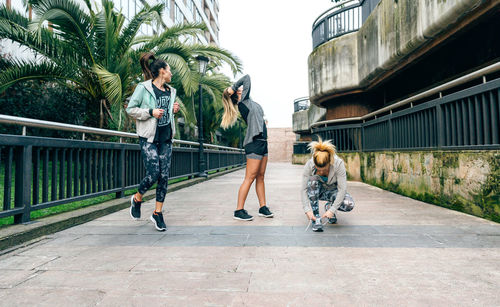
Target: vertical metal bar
{"type": "Point", "coordinates": [115, 168]}
{"type": "Point", "coordinates": [94, 170]}
{"type": "Point", "coordinates": [472, 124]}
{"type": "Point", "coordinates": [69, 169]}
{"type": "Point", "coordinates": [453, 124]}
{"type": "Point", "coordinates": [36, 176]}
{"type": "Point", "coordinates": [99, 170]}
{"type": "Point", "coordinates": [458, 117]}
{"type": "Point", "coordinates": [486, 120]}
{"type": "Point", "coordinates": [61, 173]}
{"type": "Point", "coordinates": [89, 171]}
{"type": "Point", "coordinates": [22, 196]}
{"type": "Point", "coordinates": [465, 121]}
{"type": "Point", "coordinates": [53, 179]}
{"type": "Point", "coordinates": [107, 169]}
{"type": "Point", "coordinates": [7, 180]}
{"type": "Point", "coordinates": [83, 170]}
{"type": "Point", "coordinates": [76, 174]}
{"type": "Point", "coordinates": [479, 128]}
{"type": "Point", "coordinates": [494, 104]}
{"type": "Point", "coordinates": [121, 172]}
{"type": "Point", "coordinates": [45, 181]}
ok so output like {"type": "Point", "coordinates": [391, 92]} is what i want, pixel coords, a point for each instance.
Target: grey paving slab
{"type": "Point", "coordinates": [391, 250]}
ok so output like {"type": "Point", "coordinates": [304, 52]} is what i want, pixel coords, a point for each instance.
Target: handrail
{"type": "Point", "coordinates": [337, 6]}
{"type": "Point", "coordinates": [31, 122]}
{"type": "Point", "coordinates": [461, 80]}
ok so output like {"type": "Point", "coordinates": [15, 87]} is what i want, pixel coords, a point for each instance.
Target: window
{"type": "Point", "coordinates": [167, 8]}
{"type": "Point", "coordinates": [190, 6]}
{"type": "Point", "coordinates": [179, 17]}
{"type": "Point", "coordinates": [197, 16]}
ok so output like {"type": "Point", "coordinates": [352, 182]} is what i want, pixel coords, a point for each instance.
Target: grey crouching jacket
{"type": "Point", "coordinates": [337, 179]}
{"type": "Point", "coordinates": [143, 99]}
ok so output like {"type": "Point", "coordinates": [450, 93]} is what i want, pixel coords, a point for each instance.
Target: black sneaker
{"type": "Point", "coordinates": [332, 220]}
{"type": "Point", "coordinates": [135, 208]}
{"type": "Point", "coordinates": [157, 219]}
{"type": "Point", "coordinates": [317, 226]}
{"type": "Point", "coordinates": [243, 215]}
{"type": "Point", "coordinates": [264, 211]}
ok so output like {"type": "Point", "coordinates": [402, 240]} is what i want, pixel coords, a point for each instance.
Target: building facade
{"type": "Point", "coordinates": [409, 92]}
{"type": "Point", "coordinates": [179, 11]}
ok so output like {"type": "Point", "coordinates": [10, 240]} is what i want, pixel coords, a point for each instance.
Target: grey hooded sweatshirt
{"type": "Point", "coordinates": [251, 111]}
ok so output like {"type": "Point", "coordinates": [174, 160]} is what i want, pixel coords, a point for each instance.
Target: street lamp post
{"type": "Point", "coordinates": [203, 61]}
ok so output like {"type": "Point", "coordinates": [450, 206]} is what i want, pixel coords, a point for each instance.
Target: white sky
{"type": "Point", "coordinates": [273, 40]}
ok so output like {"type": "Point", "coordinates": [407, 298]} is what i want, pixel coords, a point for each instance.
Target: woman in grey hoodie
{"type": "Point", "coordinates": [237, 99]}
{"type": "Point", "coordinates": [153, 106]}
{"type": "Point", "coordinates": [324, 178]}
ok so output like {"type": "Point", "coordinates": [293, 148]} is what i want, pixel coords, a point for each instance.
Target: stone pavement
{"type": "Point", "coordinates": [390, 250]}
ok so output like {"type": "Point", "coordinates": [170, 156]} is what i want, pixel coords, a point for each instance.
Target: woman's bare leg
{"type": "Point", "coordinates": [259, 182]}
{"type": "Point", "coordinates": [251, 172]}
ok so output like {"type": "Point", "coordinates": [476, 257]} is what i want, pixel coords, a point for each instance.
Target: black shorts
{"type": "Point", "coordinates": [257, 149]}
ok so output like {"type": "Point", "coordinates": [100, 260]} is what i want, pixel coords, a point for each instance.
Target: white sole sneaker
{"type": "Point", "coordinates": [156, 225]}
{"type": "Point", "coordinates": [130, 210]}
{"type": "Point", "coordinates": [240, 219]}
{"type": "Point", "coordinates": [271, 215]}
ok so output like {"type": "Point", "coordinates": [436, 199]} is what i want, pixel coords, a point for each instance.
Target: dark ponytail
{"type": "Point", "coordinates": [151, 66]}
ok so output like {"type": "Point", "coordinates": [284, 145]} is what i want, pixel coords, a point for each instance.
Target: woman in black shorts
{"type": "Point", "coordinates": [237, 98]}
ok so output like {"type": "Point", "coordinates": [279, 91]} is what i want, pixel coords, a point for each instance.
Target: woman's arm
{"type": "Point", "coordinates": [245, 81]}
{"type": "Point", "coordinates": [133, 107]}
{"type": "Point", "coordinates": [341, 186]}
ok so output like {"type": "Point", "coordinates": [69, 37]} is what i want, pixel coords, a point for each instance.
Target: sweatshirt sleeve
{"type": "Point", "coordinates": [245, 81]}
{"type": "Point", "coordinates": [134, 106]}
{"type": "Point", "coordinates": [341, 186]}
{"type": "Point", "coordinates": [303, 190]}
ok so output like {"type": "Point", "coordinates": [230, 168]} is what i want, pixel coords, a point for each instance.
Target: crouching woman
{"type": "Point", "coordinates": [324, 178]}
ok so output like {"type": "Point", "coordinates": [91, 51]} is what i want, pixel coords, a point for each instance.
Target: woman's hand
{"type": "Point", "coordinates": [328, 214]}
{"type": "Point", "coordinates": [310, 215]}
{"type": "Point", "coordinates": [158, 113]}
{"type": "Point", "coordinates": [176, 107]}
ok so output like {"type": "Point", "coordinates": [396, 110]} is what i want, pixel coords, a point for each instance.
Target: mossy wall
{"type": "Point", "coordinates": [467, 181]}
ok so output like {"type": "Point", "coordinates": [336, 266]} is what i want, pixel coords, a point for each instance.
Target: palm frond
{"type": "Point", "coordinates": [66, 16]}
{"type": "Point", "coordinates": [111, 84]}
{"type": "Point", "coordinates": [218, 56]}
{"type": "Point", "coordinates": [173, 33]}
{"type": "Point", "coordinates": [128, 35]}
{"type": "Point", "coordinates": [29, 70]}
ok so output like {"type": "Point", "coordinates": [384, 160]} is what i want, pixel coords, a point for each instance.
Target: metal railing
{"type": "Point", "coordinates": [341, 19]}
{"type": "Point", "coordinates": [345, 17]}
{"type": "Point", "coordinates": [301, 104]}
{"type": "Point", "coordinates": [39, 172]}
{"type": "Point", "coordinates": [467, 119]}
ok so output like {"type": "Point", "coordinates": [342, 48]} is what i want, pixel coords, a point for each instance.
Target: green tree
{"type": "Point", "coordinates": [92, 51]}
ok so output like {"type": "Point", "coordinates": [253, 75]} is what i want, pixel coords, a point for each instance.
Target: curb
{"type": "Point", "coordinates": [15, 235]}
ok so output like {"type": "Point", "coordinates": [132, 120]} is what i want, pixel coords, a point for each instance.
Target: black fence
{"type": "Point", "coordinates": [468, 119]}
{"type": "Point", "coordinates": [38, 173]}
{"type": "Point", "coordinates": [301, 104]}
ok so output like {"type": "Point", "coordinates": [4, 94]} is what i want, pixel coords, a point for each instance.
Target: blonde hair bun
{"type": "Point", "coordinates": [323, 152]}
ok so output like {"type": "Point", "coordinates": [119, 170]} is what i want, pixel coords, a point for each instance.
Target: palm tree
{"type": "Point", "coordinates": [93, 51]}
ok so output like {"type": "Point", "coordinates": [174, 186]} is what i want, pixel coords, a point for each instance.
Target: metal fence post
{"type": "Point", "coordinates": [121, 173]}
{"type": "Point", "coordinates": [439, 126]}
{"type": "Point", "coordinates": [22, 198]}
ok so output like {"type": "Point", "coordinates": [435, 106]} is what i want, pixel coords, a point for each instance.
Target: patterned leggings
{"type": "Point", "coordinates": [156, 158]}
{"type": "Point", "coordinates": [316, 191]}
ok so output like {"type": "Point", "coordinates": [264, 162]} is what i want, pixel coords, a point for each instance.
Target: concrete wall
{"type": "Point", "coordinates": [467, 181]}
{"type": "Point", "coordinates": [394, 31]}
{"type": "Point", "coordinates": [302, 120]}
{"type": "Point", "coordinates": [280, 144]}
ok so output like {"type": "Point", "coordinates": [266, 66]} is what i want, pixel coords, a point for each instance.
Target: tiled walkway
{"type": "Point", "coordinates": [390, 250]}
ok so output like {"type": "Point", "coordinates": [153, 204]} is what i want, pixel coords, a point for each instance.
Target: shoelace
{"type": "Point", "coordinates": [310, 223]}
